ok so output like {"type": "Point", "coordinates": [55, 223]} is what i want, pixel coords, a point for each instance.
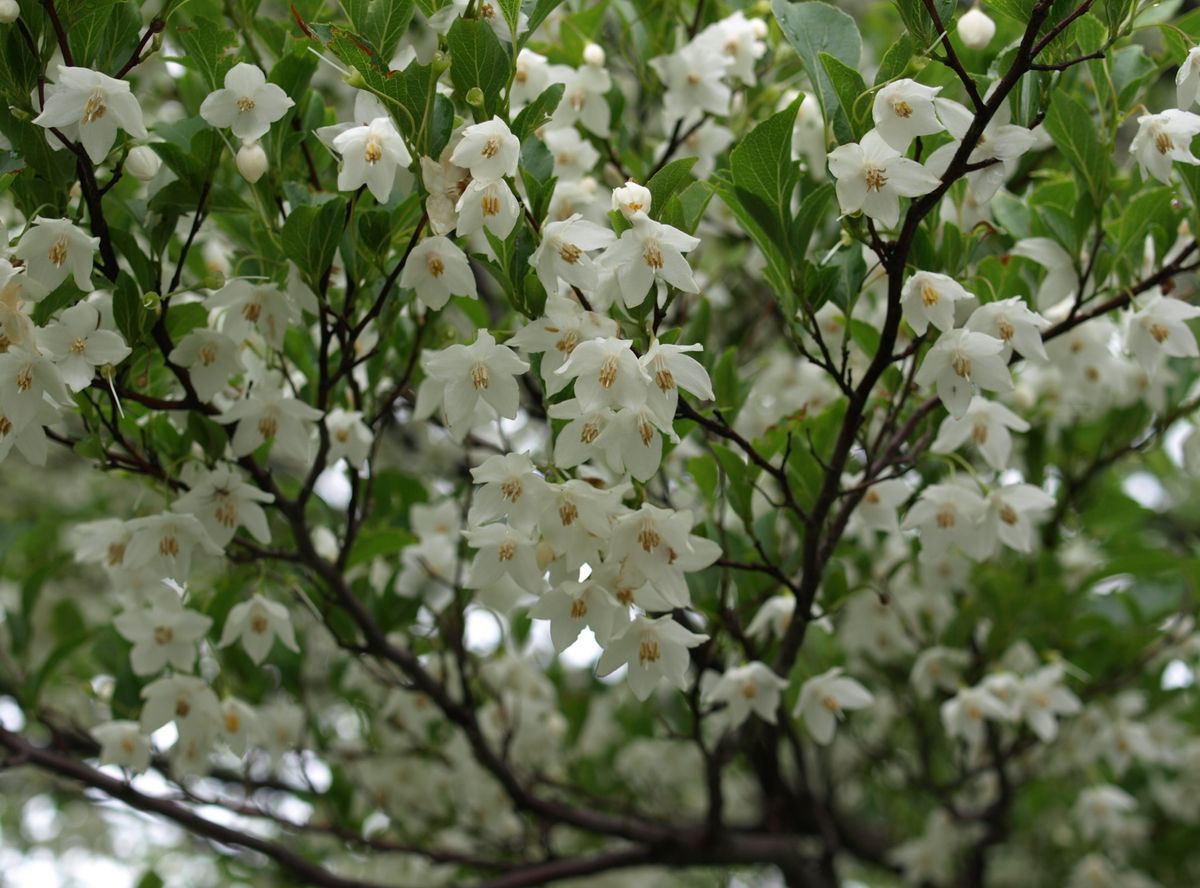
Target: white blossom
{"type": "Point", "coordinates": [98, 105]}
{"type": "Point", "coordinates": [824, 699]}
{"type": "Point", "coordinates": [872, 176]}
{"type": "Point", "coordinates": [247, 104]}
{"type": "Point", "coordinates": [257, 623]}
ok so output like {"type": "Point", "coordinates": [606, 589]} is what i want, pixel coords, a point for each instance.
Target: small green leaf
{"type": "Point", "coordinates": [813, 28]}
{"type": "Point", "coordinates": [478, 60]}
{"type": "Point", "coordinates": [849, 86]}
{"type": "Point", "coordinates": [666, 182]}
{"type": "Point", "coordinates": [538, 112]}
{"type": "Point", "coordinates": [310, 237]}
{"type": "Point", "coordinates": [206, 48]}
{"type": "Point", "coordinates": [1073, 129]}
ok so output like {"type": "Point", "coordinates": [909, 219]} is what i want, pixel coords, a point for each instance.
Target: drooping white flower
{"type": "Point", "coordinates": [530, 79]}
{"type": "Point", "coordinates": [164, 544]}
{"type": "Point", "coordinates": [52, 249]}
{"type": "Point", "coordinates": [650, 252]}
{"type": "Point", "coordinates": [1187, 79]}
{"type": "Point", "coordinates": [97, 104]}
{"type": "Point", "coordinates": [937, 668]}
{"type": "Point", "coordinates": [1013, 323]}
{"type": "Point", "coordinates": [1163, 139]}
{"type": "Point", "coordinates": [744, 690]}
{"type": "Point", "coordinates": [257, 623]}
{"type": "Point", "coordinates": [184, 699]}
{"type": "Point", "coordinates": [659, 545]}
{"type": "Point", "coordinates": [445, 182]}
{"type": "Point", "coordinates": [26, 379]}
{"type": "Point", "coordinates": [966, 713]}
{"type": "Point", "coordinates": [511, 490]}
{"type": "Point", "coordinates": [270, 415]}
{"type": "Point", "coordinates": [248, 105]}
{"type": "Point", "coordinates": [223, 501]}
{"type": "Point", "coordinates": [975, 28]}
{"type": "Point", "coordinates": [79, 345]}
{"type": "Point", "coordinates": [928, 298]}
{"type": "Point", "coordinates": [161, 636]}
{"type": "Point", "coordinates": [574, 157]}
{"type": "Point", "coordinates": [694, 78]}
{"type": "Point", "coordinates": [371, 155]}
{"type": "Point", "coordinates": [985, 424]}
{"type": "Point", "coordinates": [576, 442]}
{"type": "Point", "coordinates": [670, 369]}
{"type": "Point", "coordinates": [1159, 330]}
{"type": "Point", "coordinates": [1103, 811]}
{"type": "Point", "coordinates": [460, 377]}
{"type": "Point", "coordinates": [210, 357]}
{"type": "Point", "coordinates": [773, 618]}
{"type": "Point", "coordinates": [239, 725]}
{"type": "Point", "coordinates": [1062, 279]}
{"type": "Point", "coordinates": [825, 698]}
{"type": "Point", "coordinates": [740, 40]}
{"type": "Point", "coordinates": [947, 515]}
{"type": "Point", "coordinates": [572, 606]}
{"type": "Point", "coordinates": [10, 11]}
{"type": "Point", "coordinates": [654, 649]}
{"type": "Point", "coordinates": [576, 520]}
{"type": "Point", "coordinates": [556, 335]}
{"type": "Point", "coordinates": [350, 437]}
{"type": "Point", "coordinates": [16, 327]}
{"type": "Point", "coordinates": [1043, 699]}
{"type": "Point", "coordinates": [960, 360]}
{"type": "Point", "coordinates": [563, 253]}
{"type": "Point", "coordinates": [632, 441]}
{"type": "Point", "coordinates": [504, 551]}
{"type": "Point", "coordinates": [606, 373]}
{"type": "Point", "coordinates": [631, 199]}
{"type": "Point", "coordinates": [872, 176]}
{"type": "Point", "coordinates": [877, 508]}
{"type": "Point", "coordinates": [1001, 141]}
{"type": "Point", "coordinates": [123, 744]}
{"type": "Point", "coordinates": [27, 436]}
{"type": "Point", "coordinates": [1011, 513]}
{"type": "Point", "coordinates": [437, 269]}
{"type": "Point", "coordinates": [251, 161]}
{"type": "Point", "coordinates": [489, 150]}
{"type": "Point", "coordinates": [903, 110]}
{"type": "Point", "coordinates": [489, 205]}
{"type": "Point", "coordinates": [254, 306]}
{"type": "Point", "coordinates": [584, 98]}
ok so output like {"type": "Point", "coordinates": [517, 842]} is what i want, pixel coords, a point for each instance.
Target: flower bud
{"type": "Point", "coordinates": [142, 162]}
{"type": "Point", "coordinates": [355, 80]}
{"type": "Point", "coordinates": [593, 55]}
{"type": "Point", "coordinates": [251, 161]}
{"type": "Point", "coordinates": [758, 28]}
{"type": "Point", "coordinates": [475, 97]}
{"type": "Point", "coordinates": [9, 11]}
{"type": "Point", "coordinates": [975, 29]}
{"type": "Point", "coordinates": [631, 199]}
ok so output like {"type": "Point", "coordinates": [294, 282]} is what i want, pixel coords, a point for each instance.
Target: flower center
{"type": "Point", "coordinates": [979, 433]}
{"type": "Point", "coordinates": [507, 550]}
{"type": "Point", "coordinates": [830, 703]}
{"type": "Point", "coordinates": [435, 265]}
{"type": "Point", "coordinates": [645, 432]}
{"type": "Point", "coordinates": [1162, 142]}
{"type": "Point", "coordinates": [649, 538]}
{"type": "Point", "coordinates": [163, 635]}
{"type": "Point", "coordinates": [6, 426]}
{"type": "Point", "coordinates": [491, 147]}
{"type": "Point", "coordinates": [94, 108]}
{"type": "Point", "coordinates": [372, 152]}
{"type": "Point", "coordinates": [588, 433]}
{"type": "Point", "coordinates": [567, 343]}
{"type": "Point", "coordinates": [1159, 332]}
{"type": "Point", "coordinates": [876, 178]}
{"type": "Point", "coordinates": [252, 311]}
{"type": "Point", "coordinates": [567, 513]}
{"type": "Point", "coordinates": [929, 296]}
{"type": "Point", "coordinates": [490, 204]}
{"type": "Point", "coordinates": [578, 609]}
{"type": "Point", "coordinates": [511, 489]}
{"type": "Point", "coordinates": [871, 496]}
{"type": "Point", "coordinates": [608, 372]}
{"type": "Point", "coordinates": [58, 252]}
{"type": "Point", "coordinates": [245, 104]}
{"type": "Point", "coordinates": [652, 255]}
{"type": "Point", "coordinates": [168, 546]}
{"type": "Point", "coordinates": [961, 365]}
{"type": "Point", "coordinates": [570, 253]}
{"type": "Point", "coordinates": [625, 596]}
{"type": "Point", "coordinates": [267, 427]}
{"type": "Point", "coordinates": [79, 345]}
{"type": "Point", "coordinates": [1005, 329]}
{"type": "Point", "coordinates": [946, 517]}
{"type": "Point", "coordinates": [1008, 514]}
{"type": "Point", "coordinates": [207, 354]}
{"type": "Point", "coordinates": [25, 378]}
{"type": "Point", "coordinates": [182, 707]}
{"type": "Point", "coordinates": [232, 722]}
{"type": "Point", "coordinates": [259, 624]}
{"type": "Point", "coordinates": [479, 376]}
{"type": "Point", "coordinates": [226, 513]}
{"type": "Point", "coordinates": [649, 651]}
{"type": "Point", "coordinates": [902, 108]}
{"type": "Point", "coordinates": [749, 690]}
{"type": "Point", "coordinates": [116, 554]}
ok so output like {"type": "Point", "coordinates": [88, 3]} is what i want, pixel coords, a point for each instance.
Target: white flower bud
{"type": "Point", "coordinates": [593, 55]}
{"type": "Point", "coordinates": [142, 162]}
{"type": "Point", "coordinates": [631, 199]}
{"type": "Point", "coordinates": [9, 11]}
{"type": "Point", "coordinates": [251, 161]}
{"type": "Point", "coordinates": [758, 28]}
{"type": "Point", "coordinates": [975, 29]}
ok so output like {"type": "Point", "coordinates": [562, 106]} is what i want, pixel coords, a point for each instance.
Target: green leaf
{"type": "Point", "coordinates": [765, 174]}
{"type": "Point", "coordinates": [386, 24]}
{"type": "Point", "coordinates": [538, 112]}
{"type": "Point", "coordinates": [408, 94]}
{"type": "Point", "coordinates": [813, 28]}
{"type": "Point", "coordinates": [849, 86]}
{"type": "Point", "coordinates": [1073, 128]}
{"type": "Point", "coordinates": [739, 488]}
{"type": "Point", "coordinates": [478, 59]}
{"type": "Point", "coordinates": [206, 48]}
{"type": "Point", "coordinates": [537, 172]}
{"type": "Point", "coordinates": [895, 60]}
{"type": "Point", "coordinates": [131, 317]}
{"type": "Point", "coordinates": [310, 237]}
{"type": "Point", "coordinates": [666, 182]}
{"type": "Point", "coordinates": [809, 216]}
{"type": "Point", "coordinates": [920, 25]}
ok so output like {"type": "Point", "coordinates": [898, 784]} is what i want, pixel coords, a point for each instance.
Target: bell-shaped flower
{"type": "Point", "coordinates": [1162, 139]}
{"type": "Point", "coordinates": [573, 606]}
{"type": "Point", "coordinates": [269, 415]}
{"type": "Point", "coordinates": [489, 150]}
{"type": "Point", "coordinates": [16, 327]}
{"type": "Point", "coordinates": [742, 691]}
{"type": "Point", "coordinates": [1043, 699]}
{"type": "Point", "coordinates": [489, 205]}
{"type": "Point", "coordinates": [740, 40]}
{"type": "Point", "coordinates": [657, 543]}
{"type": "Point", "coordinates": [437, 269]}
{"type": "Point", "coordinates": [773, 618]}
{"type": "Point", "coordinates": [257, 623]}
{"type": "Point", "coordinates": [903, 110]}
{"type": "Point", "coordinates": [223, 501]}
{"type": "Point", "coordinates": [460, 377]}
{"type": "Point", "coordinates": [647, 253]}
{"type": "Point", "coordinates": [937, 668]}
{"type": "Point", "coordinates": [97, 104]}
{"type": "Point", "coordinates": [877, 508]}
{"type": "Point", "coordinates": [446, 183]}
{"type": "Point", "coordinates": [961, 360]}
{"type": "Point", "coordinates": [504, 551]}
{"type": "Point", "coordinates": [576, 441]}
{"type": "Point", "coordinates": [563, 253]}
{"type": "Point", "coordinates": [248, 105]}
{"type": "Point", "coordinates": [654, 649]}
{"type": "Point", "coordinates": [510, 489]}
{"type": "Point", "coordinates": [1011, 515]}
{"type": "Point", "coordinates": [1001, 143]}
{"type": "Point", "coordinates": [79, 345]}
{"type": "Point", "coordinates": [371, 155]}
{"type": "Point", "coordinates": [694, 79]}
{"type": "Point", "coordinates": [631, 200]}
{"type": "Point", "coordinates": [1187, 79]}
{"type": "Point", "coordinates": [987, 425]}
{"type": "Point", "coordinates": [164, 544]}
{"type": "Point", "coordinates": [584, 101]}
{"type": "Point", "coordinates": [1159, 330]}
{"type": "Point", "coordinates": [947, 515]}
{"type": "Point", "coordinates": [350, 438]}
{"type": "Point", "coordinates": [555, 336]}
{"type": "Point", "coordinates": [928, 298]}
{"type": "Point", "coordinates": [52, 250]}
{"type": "Point", "coordinates": [122, 743]}
{"type": "Point", "coordinates": [184, 699]}
{"type": "Point", "coordinates": [27, 379]}
{"type": "Point", "coordinates": [531, 77]}
{"type": "Point", "coordinates": [239, 725]}
{"type": "Point", "coordinates": [824, 700]}
{"type": "Point", "coordinates": [1013, 323]}
{"type": "Point", "coordinates": [210, 357]}
{"type": "Point", "coordinates": [576, 520]}
{"type": "Point", "coordinates": [670, 369]}
{"type": "Point", "coordinates": [632, 441]}
{"type": "Point", "coordinates": [966, 713]}
{"type": "Point", "coordinates": [161, 637]}
{"type": "Point", "coordinates": [1062, 278]}
{"type": "Point", "coordinates": [606, 373]}
{"type": "Point", "coordinates": [254, 306]}
{"type": "Point", "coordinates": [872, 176]}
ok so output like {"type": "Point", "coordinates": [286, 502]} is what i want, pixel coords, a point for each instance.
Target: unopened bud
{"type": "Point", "coordinates": [758, 28]}
{"type": "Point", "coordinates": [475, 97]}
{"type": "Point", "coordinates": [355, 80]}
{"type": "Point", "coordinates": [440, 62]}
{"type": "Point", "coordinates": [975, 29]}
{"type": "Point", "coordinates": [593, 55]}
{"type": "Point", "coordinates": [631, 199]}
{"type": "Point", "coordinates": [10, 11]}
{"type": "Point", "coordinates": [251, 161]}
{"type": "Point", "coordinates": [142, 162]}
{"type": "Point", "coordinates": [214, 280]}
{"type": "Point", "coordinates": [150, 301]}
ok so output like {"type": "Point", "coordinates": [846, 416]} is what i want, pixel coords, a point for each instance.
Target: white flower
{"type": "Point", "coordinates": [503, 551]}
{"type": "Point", "coordinates": [877, 508]}
{"type": "Point", "coordinates": [986, 424]}
{"type": "Point", "coordinates": [530, 79]}
{"type": "Point", "coordinates": [576, 520]}
{"type": "Point", "coordinates": [975, 28]}
{"type": "Point", "coordinates": [248, 105]}
{"type": "Point", "coordinates": [79, 345]}
{"type": "Point", "coordinates": [654, 649]}
{"type": "Point", "coordinates": [574, 157]}
{"type": "Point", "coordinates": [657, 543]}
{"type": "Point", "coordinates": [16, 328]}
{"type": "Point", "coordinates": [490, 205]}
{"type": "Point", "coordinates": [445, 182]}
{"type": "Point", "coordinates": [164, 543]}
{"type": "Point", "coordinates": [964, 714]}
{"type": "Point", "coordinates": [460, 377]}
{"type": "Point", "coordinates": [946, 515]}
{"type": "Point", "coordinates": [1011, 513]}
{"type": "Point", "coordinates": [1062, 278]}
{"type": "Point", "coordinates": [223, 502]}
{"type": "Point", "coordinates": [606, 373]}
{"type": "Point", "coordinates": [1163, 139]}
{"type": "Point", "coordinates": [1043, 697]}
{"type": "Point", "coordinates": [960, 360]}
{"type": "Point", "coordinates": [161, 636]}
{"type": "Point", "coordinates": [143, 163]}
{"type": "Point", "coordinates": [584, 98]}
{"type": "Point", "coordinates": [903, 110]}
{"type": "Point", "coordinates": [563, 253]}
{"type": "Point", "coordinates": [1102, 811]}
{"type": "Point", "coordinates": [210, 357]}
{"type": "Point", "coordinates": [511, 490]}
{"type": "Point", "coordinates": [269, 415]}
{"type": "Point", "coordinates": [1013, 323]}
{"type": "Point", "coordinates": [632, 443]}
{"type": "Point", "coordinates": [670, 369]}
{"type": "Point", "coordinates": [10, 11]}
{"type": "Point", "coordinates": [650, 252]}
{"type": "Point", "coordinates": [251, 161]}
{"type": "Point", "coordinates": [26, 380]}
{"type": "Point", "coordinates": [123, 744]}
{"type": "Point", "coordinates": [1160, 330]}
{"type": "Point", "coordinates": [1000, 141]}
{"type": "Point", "coordinates": [693, 76]}
{"type": "Point", "coordinates": [371, 155]}
{"type": "Point", "coordinates": [257, 623]}
{"type": "Point", "coordinates": [741, 41]}
{"type": "Point", "coordinates": [824, 699]}
{"type": "Point", "coordinates": [97, 104]}
{"type": "Point", "coordinates": [937, 668]}
{"type": "Point", "coordinates": [752, 688]}
{"type": "Point", "coordinates": [576, 442]}
{"type": "Point", "coordinates": [253, 305]}
{"type": "Point", "coordinates": [928, 298]}
{"type": "Point", "coordinates": [239, 725]}
{"type": "Point", "coordinates": [872, 176]}
{"type": "Point", "coordinates": [437, 269]}
{"type": "Point", "coordinates": [631, 199]}
{"type": "Point", "coordinates": [773, 618]}
{"type": "Point", "coordinates": [555, 336]}
{"type": "Point", "coordinates": [27, 436]}
{"type": "Point", "coordinates": [572, 606]}
{"type": "Point", "coordinates": [489, 150]}
{"type": "Point", "coordinates": [349, 437]}
{"type": "Point", "coordinates": [52, 249]}
{"type": "Point", "coordinates": [1187, 79]}
{"type": "Point", "coordinates": [184, 699]}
